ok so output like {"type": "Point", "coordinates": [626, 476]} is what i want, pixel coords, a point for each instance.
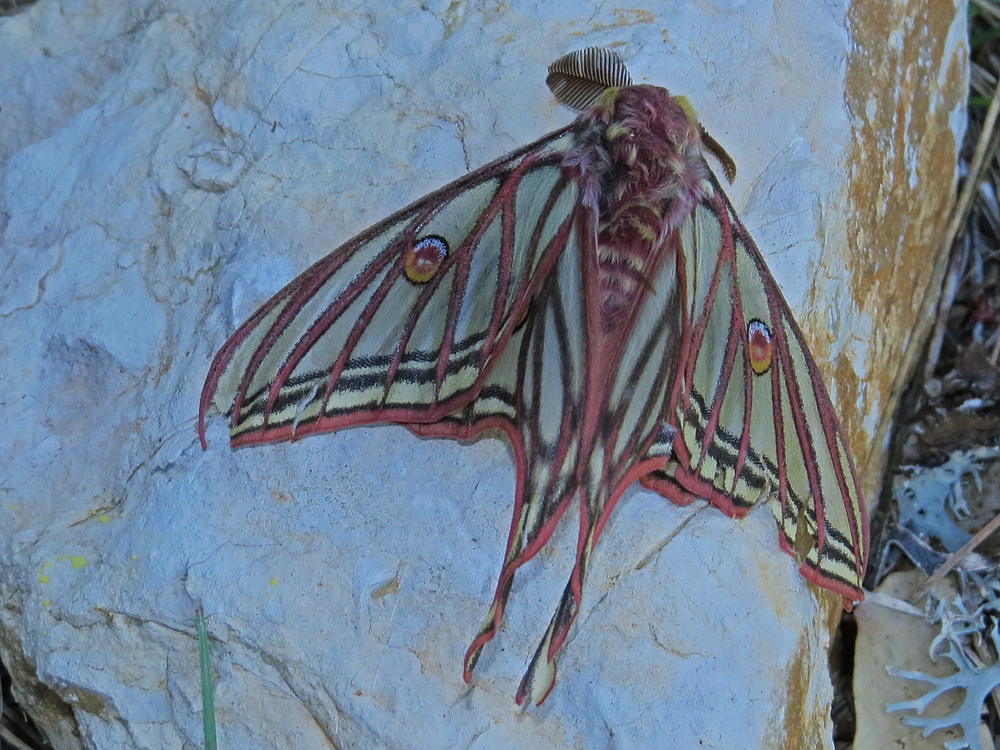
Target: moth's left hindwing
{"type": "Point", "coordinates": [402, 323]}
{"type": "Point", "coordinates": [753, 416]}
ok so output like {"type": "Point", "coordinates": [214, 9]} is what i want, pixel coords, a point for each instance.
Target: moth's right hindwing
{"type": "Point", "coordinates": [754, 418]}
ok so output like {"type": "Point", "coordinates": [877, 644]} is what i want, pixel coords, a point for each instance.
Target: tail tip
{"type": "Point", "coordinates": [201, 432]}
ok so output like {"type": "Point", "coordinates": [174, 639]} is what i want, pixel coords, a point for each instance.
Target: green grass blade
{"type": "Point", "coordinates": [207, 688]}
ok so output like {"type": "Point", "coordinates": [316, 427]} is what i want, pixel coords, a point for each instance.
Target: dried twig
{"type": "Point", "coordinates": [957, 558]}
{"type": "Point", "coordinates": [989, 7]}
{"type": "Point", "coordinates": [11, 739]}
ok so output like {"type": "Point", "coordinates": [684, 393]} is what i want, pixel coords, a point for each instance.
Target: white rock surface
{"type": "Point", "coordinates": [164, 171]}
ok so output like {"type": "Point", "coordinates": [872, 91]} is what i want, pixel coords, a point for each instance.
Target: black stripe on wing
{"type": "Point", "coordinates": [360, 377]}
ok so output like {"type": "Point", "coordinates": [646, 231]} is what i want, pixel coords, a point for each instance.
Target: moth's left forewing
{"type": "Point", "coordinates": [355, 340]}
{"type": "Point", "coordinates": [745, 435]}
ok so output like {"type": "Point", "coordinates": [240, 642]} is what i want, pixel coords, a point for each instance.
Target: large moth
{"type": "Point", "coordinates": [592, 295]}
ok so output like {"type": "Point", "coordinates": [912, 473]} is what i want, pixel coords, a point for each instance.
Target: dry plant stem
{"type": "Point", "coordinates": [989, 7]}
{"type": "Point", "coordinates": [984, 149]}
{"type": "Point", "coordinates": [956, 558]}
{"type": "Point", "coordinates": [956, 268]}
{"type": "Point", "coordinates": [14, 742]}
{"type": "Point", "coordinates": [995, 354]}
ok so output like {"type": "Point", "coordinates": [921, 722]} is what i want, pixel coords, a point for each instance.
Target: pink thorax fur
{"type": "Point", "coordinates": [638, 157]}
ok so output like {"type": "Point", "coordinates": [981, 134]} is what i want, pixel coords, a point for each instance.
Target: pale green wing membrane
{"type": "Point", "coordinates": [363, 337]}
{"type": "Point", "coordinates": [754, 419]}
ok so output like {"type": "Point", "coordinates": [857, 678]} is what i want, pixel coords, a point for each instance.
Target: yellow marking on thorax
{"type": "Point", "coordinates": [687, 107]}
{"type": "Point", "coordinates": [609, 253]}
{"type": "Point", "coordinates": [617, 130]}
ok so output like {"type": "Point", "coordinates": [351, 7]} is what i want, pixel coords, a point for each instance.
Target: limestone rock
{"type": "Point", "coordinates": [165, 169]}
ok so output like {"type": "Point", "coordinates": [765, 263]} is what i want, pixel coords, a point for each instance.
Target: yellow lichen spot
{"type": "Point", "coordinates": [274, 582]}
{"type": "Point", "coordinates": [46, 602]}
{"type": "Point", "coordinates": [12, 506]}
{"type": "Point", "coordinates": [631, 17]}
{"type": "Point", "coordinates": [104, 518]}
{"type": "Point", "coordinates": [46, 564]}
{"type": "Point", "coordinates": [135, 557]}
{"type": "Point", "coordinates": [42, 578]}
{"type": "Point", "coordinates": [388, 589]}
{"type": "Point", "coordinates": [78, 562]}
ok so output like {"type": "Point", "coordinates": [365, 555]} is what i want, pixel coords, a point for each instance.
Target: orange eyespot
{"type": "Point", "coordinates": [761, 347]}
{"type": "Point", "coordinates": [425, 257]}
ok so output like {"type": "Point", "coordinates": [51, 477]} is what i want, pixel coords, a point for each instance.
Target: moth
{"type": "Point", "coordinates": [594, 297]}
